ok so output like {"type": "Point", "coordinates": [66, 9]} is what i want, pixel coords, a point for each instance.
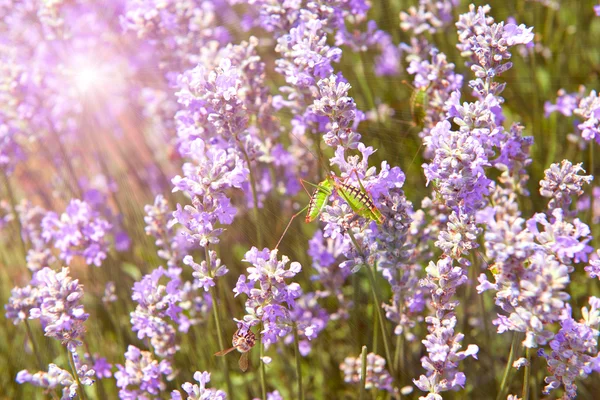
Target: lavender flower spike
{"type": "Point", "coordinates": [60, 310]}
{"type": "Point", "coordinates": [270, 298]}
{"type": "Point", "coordinates": [141, 375]}
{"type": "Point", "coordinates": [55, 377]}
{"type": "Point", "coordinates": [574, 350]}
{"type": "Point", "coordinates": [562, 182]}
{"type": "Point", "coordinates": [199, 391]}
{"type": "Point", "coordinates": [79, 231]}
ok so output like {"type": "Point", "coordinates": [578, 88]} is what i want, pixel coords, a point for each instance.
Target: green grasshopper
{"type": "Point", "coordinates": [419, 101]}
{"type": "Point", "coordinates": [358, 199]}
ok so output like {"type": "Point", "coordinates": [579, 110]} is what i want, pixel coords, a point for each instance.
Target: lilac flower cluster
{"type": "Point", "coordinates": [55, 299]}
{"type": "Point", "coordinates": [561, 182]}
{"type": "Point", "coordinates": [214, 171]}
{"type": "Point", "coordinates": [199, 391]}
{"type": "Point", "coordinates": [593, 269]}
{"type": "Point", "coordinates": [225, 149]}
{"type": "Point", "coordinates": [377, 376]}
{"type": "Point", "coordinates": [217, 97]}
{"type": "Point", "coordinates": [565, 104]}
{"type": "Point", "coordinates": [306, 58]}
{"type": "Point", "coordinates": [429, 16]}
{"type": "Point", "coordinates": [443, 344]}
{"type": "Point", "coordinates": [38, 254]}
{"type": "Point", "coordinates": [161, 305]}
{"type": "Point", "coordinates": [585, 107]}
{"type": "Point", "coordinates": [172, 244]}
{"type": "Point", "coordinates": [335, 104]}
{"type": "Point", "coordinates": [141, 376]}
{"type": "Point", "coordinates": [101, 366]}
{"type": "Point", "coordinates": [79, 231]}
{"type": "Point", "coordinates": [97, 194]}
{"type": "Point", "coordinates": [12, 134]}
{"type": "Point", "coordinates": [207, 270]}
{"type": "Point", "coordinates": [589, 110]}
{"type": "Point", "coordinates": [397, 262]}
{"type": "Point", "coordinates": [56, 378]}
{"type": "Point", "coordinates": [566, 240]}
{"type": "Point", "coordinates": [179, 30]}
{"type": "Point", "coordinates": [270, 298]}
{"type": "Point", "coordinates": [487, 44]}
{"type": "Point", "coordinates": [59, 307]}
{"type": "Point", "coordinates": [574, 350]}
{"type": "Point", "coordinates": [458, 171]}
{"type": "Point", "coordinates": [110, 293]}
{"type": "Point", "coordinates": [20, 303]}
{"type": "Point", "coordinates": [310, 319]}
{"type": "Point", "coordinates": [535, 296]}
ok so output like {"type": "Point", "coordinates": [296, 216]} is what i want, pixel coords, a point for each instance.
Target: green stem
{"type": "Point", "coordinates": [400, 361]}
{"type": "Point", "coordinates": [386, 344]}
{"type": "Point", "coordinates": [114, 320]}
{"type": "Point", "coordinates": [591, 188]}
{"type": "Point", "coordinates": [487, 334]}
{"type": "Point", "coordinates": [298, 363]}
{"type": "Point", "coordinates": [34, 345]}
{"type": "Point", "coordinates": [377, 300]}
{"type": "Point", "coordinates": [13, 205]}
{"type": "Point", "coordinates": [375, 333]}
{"type": "Point", "coordinates": [263, 372]}
{"type": "Point", "coordinates": [363, 373]}
{"type": "Point", "coordinates": [364, 85]}
{"type": "Point", "coordinates": [511, 358]}
{"type": "Point", "coordinates": [99, 384]}
{"type": "Point", "coordinates": [527, 375]}
{"type": "Point", "coordinates": [357, 312]}
{"type": "Point", "coordinates": [217, 318]}
{"type": "Point", "coordinates": [76, 376]}
{"type": "Point", "coordinates": [254, 197]}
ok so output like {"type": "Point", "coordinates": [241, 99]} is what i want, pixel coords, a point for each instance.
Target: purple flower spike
{"type": "Point", "coordinates": [54, 378]}
{"type": "Point", "coordinates": [149, 319]}
{"type": "Point", "coordinates": [141, 376]}
{"type": "Point", "coordinates": [562, 182]}
{"type": "Point", "coordinates": [589, 110]}
{"type": "Point", "coordinates": [79, 231]}
{"type": "Point", "coordinates": [593, 269]}
{"type": "Point", "coordinates": [377, 375]}
{"type": "Point", "coordinates": [487, 44]}
{"type": "Point", "coordinates": [60, 310]}
{"type": "Point", "coordinates": [574, 350]}
{"type": "Point", "coordinates": [306, 56]}
{"type": "Point", "coordinates": [430, 16]}
{"type": "Point", "coordinates": [565, 104]}
{"type": "Point", "coordinates": [205, 273]}
{"type": "Point", "coordinates": [38, 255]}
{"type": "Point", "coordinates": [20, 303]}
{"type": "Point", "coordinates": [102, 367]}
{"type": "Point", "coordinates": [335, 104]}
{"type": "Point", "coordinates": [200, 391]}
{"type": "Point", "coordinates": [270, 298]}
